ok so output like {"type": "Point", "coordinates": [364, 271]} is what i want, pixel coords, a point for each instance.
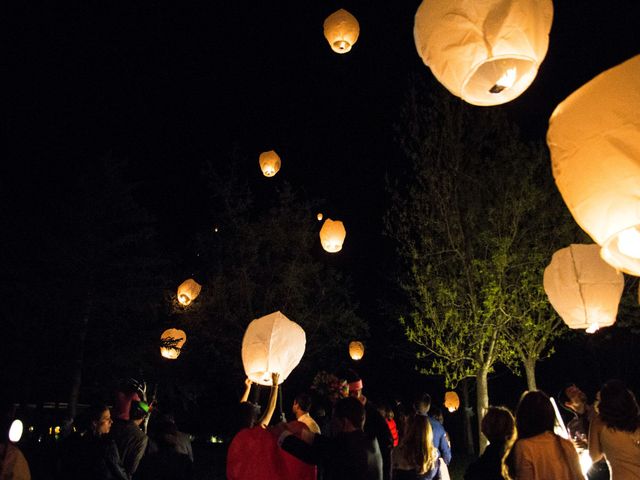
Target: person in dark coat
{"type": "Point", "coordinates": [91, 453]}
{"type": "Point", "coordinates": [166, 462]}
{"type": "Point", "coordinates": [499, 426]}
{"type": "Point", "coordinates": [350, 454]}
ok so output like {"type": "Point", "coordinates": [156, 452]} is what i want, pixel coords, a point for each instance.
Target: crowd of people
{"type": "Point", "coordinates": [351, 438]}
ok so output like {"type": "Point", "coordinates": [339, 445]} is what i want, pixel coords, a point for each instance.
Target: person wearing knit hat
{"type": "Point", "coordinates": [375, 424]}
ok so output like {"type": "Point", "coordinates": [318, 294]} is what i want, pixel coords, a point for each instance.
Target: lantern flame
{"type": "Point", "coordinates": [629, 242]}
{"type": "Point", "coordinates": [593, 328]}
{"type": "Point", "coordinates": [505, 81]}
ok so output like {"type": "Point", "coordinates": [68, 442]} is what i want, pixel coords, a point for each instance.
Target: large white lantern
{"type": "Point", "coordinates": [485, 51]}
{"type": "Point", "coordinates": [188, 291]}
{"type": "Point", "coordinates": [594, 139]}
{"type": "Point", "coordinates": [269, 163]}
{"type": "Point", "coordinates": [341, 29]}
{"type": "Point", "coordinates": [332, 235]}
{"type": "Point", "coordinates": [172, 341]}
{"type": "Point", "coordinates": [583, 289]}
{"type": "Point", "coordinates": [272, 344]}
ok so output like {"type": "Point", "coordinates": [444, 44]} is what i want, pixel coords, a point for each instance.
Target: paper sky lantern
{"type": "Point", "coordinates": [172, 341]}
{"type": "Point", "coordinates": [594, 139]}
{"type": "Point", "coordinates": [188, 291]}
{"type": "Point", "coordinates": [486, 52]}
{"type": "Point", "coordinates": [332, 235]}
{"type": "Point", "coordinates": [356, 350]}
{"type": "Point", "coordinates": [15, 431]}
{"type": "Point", "coordinates": [319, 217]}
{"type": "Point", "coordinates": [341, 30]}
{"type": "Point", "coordinates": [272, 344]}
{"type": "Point", "coordinates": [583, 289]}
{"type": "Point", "coordinates": [451, 401]}
{"type": "Point", "coordinates": [269, 163]}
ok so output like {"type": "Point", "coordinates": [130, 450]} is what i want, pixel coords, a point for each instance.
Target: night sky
{"type": "Point", "coordinates": [170, 86]}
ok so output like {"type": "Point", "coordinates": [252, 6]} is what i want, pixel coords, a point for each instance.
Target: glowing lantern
{"type": "Point", "coordinates": [269, 163]}
{"type": "Point", "coordinates": [582, 288]}
{"type": "Point", "coordinates": [172, 341]}
{"type": "Point", "coordinates": [319, 217]}
{"type": "Point", "coordinates": [486, 52]}
{"type": "Point", "coordinates": [356, 350]}
{"type": "Point", "coordinates": [451, 401]}
{"type": "Point", "coordinates": [188, 291]}
{"type": "Point", "coordinates": [15, 431]}
{"type": "Point", "coordinates": [341, 30]}
{"type": "Point", "coordinates": [272, 344]}
{"type": "Point", "coordinates": [332, 235]}
{"type": "Point", "coordinates": [594, 139]}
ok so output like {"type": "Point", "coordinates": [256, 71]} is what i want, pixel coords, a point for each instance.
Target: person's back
{"type": "Point", "coordinates": [130, 439]}
{"type": "Point", "coordinates": [498, 425]}
{"type": "Point", "coordinates": [166, 463]}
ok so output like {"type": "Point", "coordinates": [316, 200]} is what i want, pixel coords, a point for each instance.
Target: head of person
{"type": "Point", "coordinates": [535, 414]}
{"type": "Point", "coordinates": [98, 417]}
{"type": "Point", "coordinates": [617, 407]}
{"type": "Point", "coordinates": [418, 442]}
{"type": "Point", "coordinates": [498, 425]}
{"type": "Point", "coordinates": [348, 415]}
{"type": "Point", "coordinates": [572, 398]}
{"type": "Point", "coordinates": [138, 412]}
{"type": "Point", "coordinates": [422, 404]}
{"type": "Point", "coordinates": [355, 384]}
{"type": "Point", "coordinates": [247, 415]}
{"type": "Point", "coordinates": [436, 413]}
{"type": "Point", "coordinates": [301, 404]}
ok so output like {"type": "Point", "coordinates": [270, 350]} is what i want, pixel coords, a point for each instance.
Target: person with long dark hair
{"type": "Point", "coordinates": [416, 458]}
{"type": "Point", "coordinates": [499, 426]}
{"type": "Point", "coordinates": [539, 453]}
{"type": "Point", "coordinates": [615, 431]}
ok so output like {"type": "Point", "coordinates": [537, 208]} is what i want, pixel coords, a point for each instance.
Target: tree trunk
{"type": "Point", "coordinates": [482, 404]}
{"type": "Point", "coordinates": [466, 410]}
{"type": "Point", "coordinates": [530, 370]}
{"type": "Point", "coordinates": [78, 362]}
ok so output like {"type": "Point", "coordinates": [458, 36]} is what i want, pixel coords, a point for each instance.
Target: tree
{"type": "Point", "coordinates": [463, 224]}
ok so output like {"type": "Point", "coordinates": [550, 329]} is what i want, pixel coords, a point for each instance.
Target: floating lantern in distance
{"type": "Point", "coordinates": [269, 163]}
{"type": "Point", "coordinates": [332, 235]}
{"type": "Point", "coordinates": [583, 289]}
{"type": "Point", "coordinates": [451, 401]}
{"type": "Point", "coordinates": [356, 350]}
{"type": "Point", "coordinates": [319, 217]}
{"type": "Point", "coordinates": [341, 29]}
{"type": "Point", "coordinates": [188, 291]}
{"type": "Point", "coordinates": [172, 341]}
{"type": "Point", "coordinates": [272, 344]}
{"type": "Point", "coordinates": [15, 431]}
{"type": "Point", "coordinates": [594, 139]}
{"type": "Point", "coordinates": [486, 53]}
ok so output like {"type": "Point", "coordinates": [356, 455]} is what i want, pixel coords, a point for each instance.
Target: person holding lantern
{"type": "Point", "coordinates": [131, 440]}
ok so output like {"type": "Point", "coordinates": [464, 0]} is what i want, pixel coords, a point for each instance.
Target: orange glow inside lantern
{"type": "Point", "coordinates": [269, 163]}
{"type": "Point", "coordinates": [172, 341]}
{"type": "Point", "coordinates": [594, 140]}
{"type": "Point", "coordinates": [341, 29]}
{"type": "Point", "coordinates": [451, 401]}
{"type": "Point", "coordinates": [486, 53]}
{"type": "Point", "coordinates": [332, 235]}
{"type": "Point", "coordinates": [188, 291]}
{"type": "Point", "coordinates": [583, 288]}
{"type": "Point", "coordinates": [356, 350]}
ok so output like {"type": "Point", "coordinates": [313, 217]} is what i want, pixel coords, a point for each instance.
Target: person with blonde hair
{"type": "Point", "coordinates": [416, 458]}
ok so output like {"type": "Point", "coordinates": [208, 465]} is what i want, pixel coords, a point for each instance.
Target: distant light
{"type": "Point", "coordinates": [320, 216]}
{"type": "Point", "coordinates": [15, 432]}
{"type": "Point", "coordinates": [215, 229]}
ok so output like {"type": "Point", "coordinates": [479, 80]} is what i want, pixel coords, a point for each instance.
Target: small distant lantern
{"type": "Point", "coordinates": [356, 350]}
{"type": "Point", "coordinates": [451, 401]}
{"type": "Point", "coordinates": [171, 342]}
{"type": "Point", "coordinates": [594, 139]}
{"type": "Point", "coordinates": [15, 431]}
{"type": "Point", "coordinates": [188, 291]}
{"type": "Point", "coordinates": [319, 217]}
{"type": "Point", "coordinates": [272, 344]}
{"type": "Point", "coordinates": [332, 235]}
{"type": "Point", "coordinates": [341, 29]}
{"type": "Point", "coordinates": [269, 163]}
{"type": "Point", "coordinates": [486, 53]}
{"type": "Point", "coordinates": [583, 289]}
